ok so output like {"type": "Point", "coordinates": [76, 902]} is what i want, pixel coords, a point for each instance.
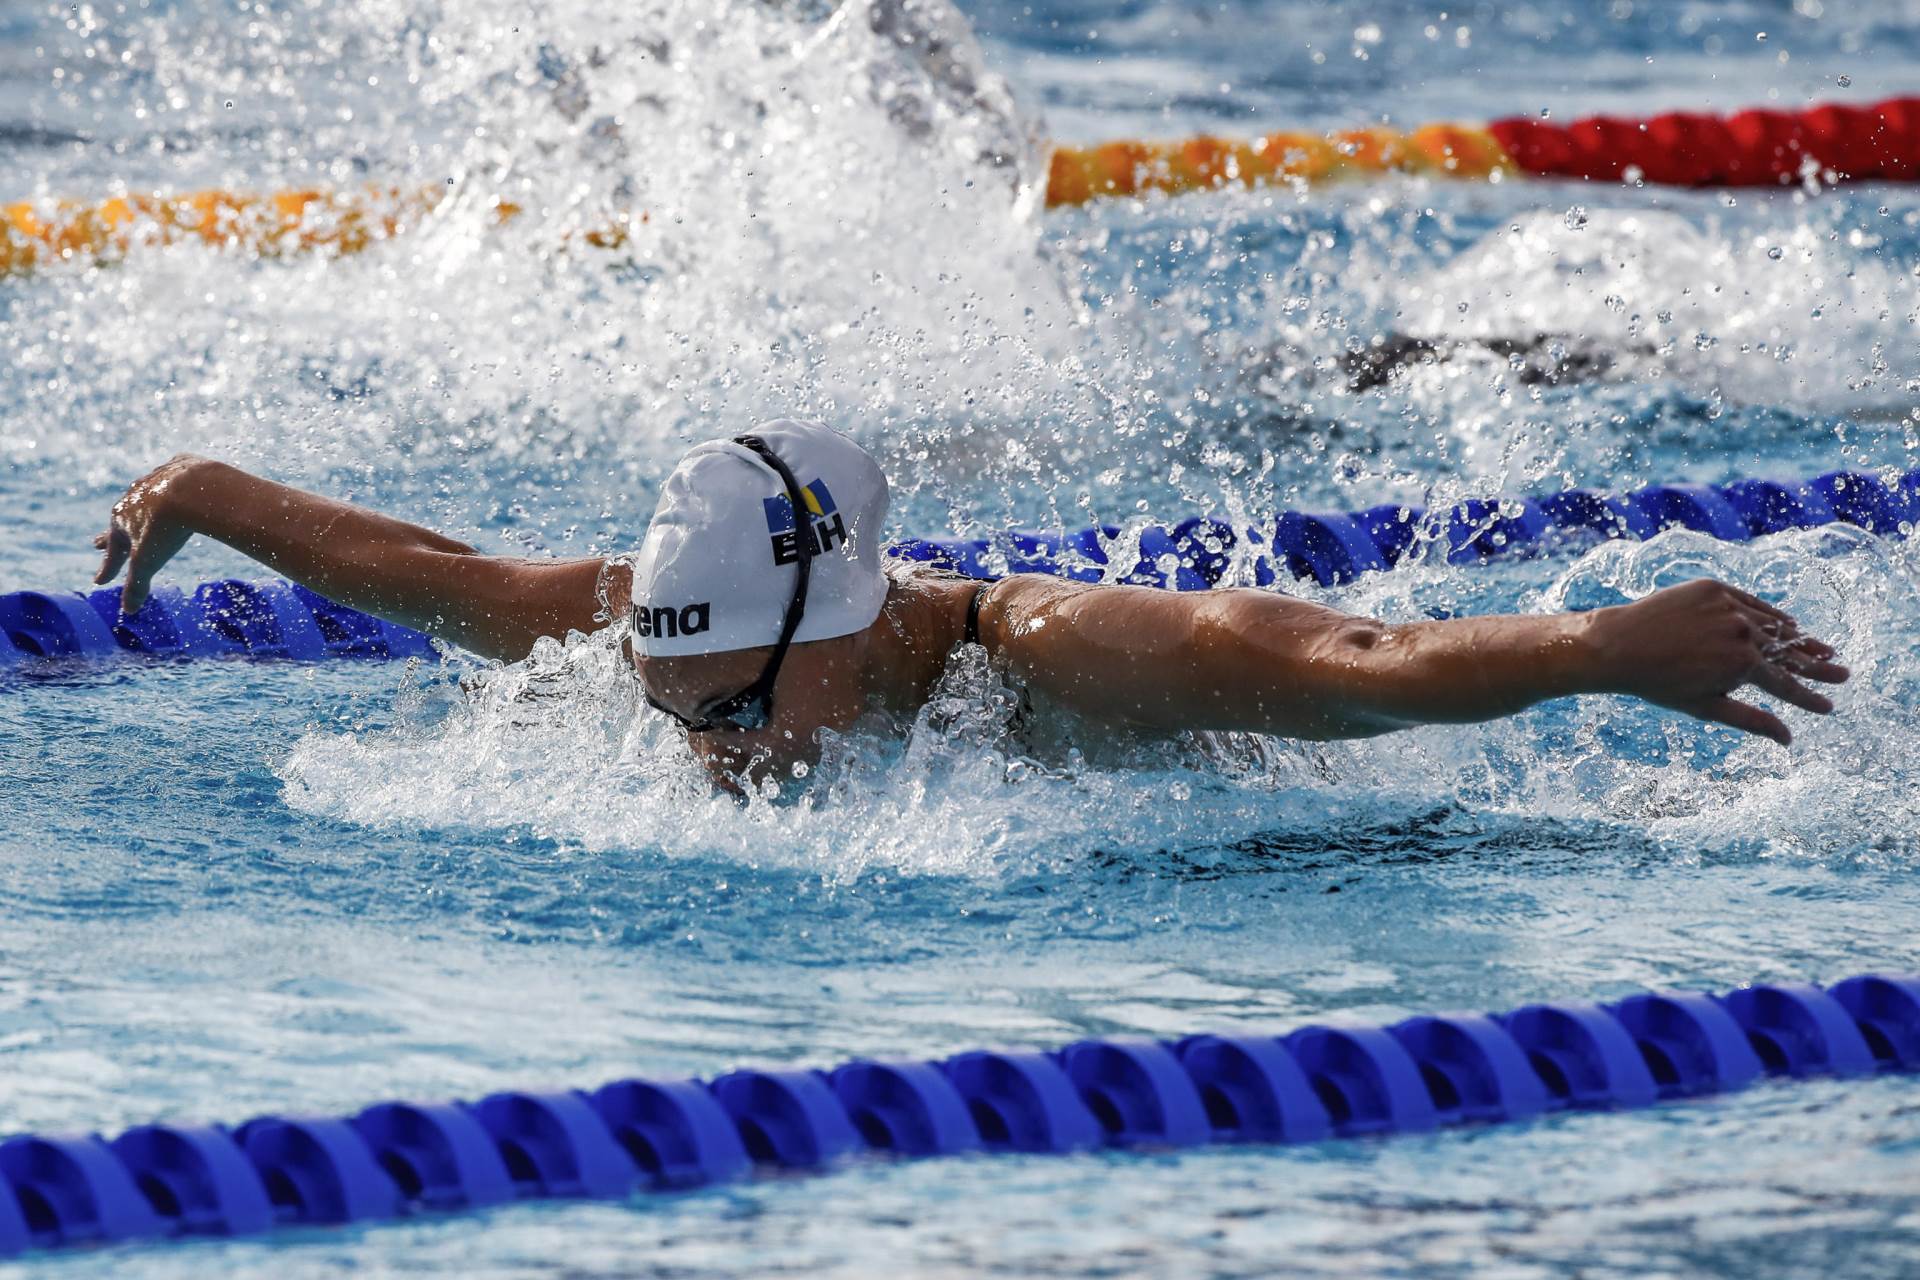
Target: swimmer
{"type": "Point", "coordinates": [760, 613]}
{"type": "Point", "coordinates": [1536, 360]}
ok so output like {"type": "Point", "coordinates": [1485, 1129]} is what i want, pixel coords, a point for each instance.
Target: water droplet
{"type": "Point", "coordinates": [1576, 217]}
{"type": "Point", "coordinates": [1845, 82]}
{"type": "Point", "coordinates": [1775, 253]}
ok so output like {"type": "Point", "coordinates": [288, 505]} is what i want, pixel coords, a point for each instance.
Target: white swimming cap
{"type": "Point", "coordinates": [716, 571]}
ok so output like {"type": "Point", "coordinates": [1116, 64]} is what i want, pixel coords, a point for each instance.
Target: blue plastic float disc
{"type": "Point", "coordinates": [1368, 1081]}
{"type": "Point", "coordinates": [907, 1107]}
{"type": "Point", "coordinates": [1253, 1090]}
{"type": "Point", "coordinates": [1583, 1055]}
{"type": "Point", "coordinates": [71, 1190]}
{"type": "Point", "coordinates": [1139, 1093]}
{"type": "Point", "coordinates": [674, 1130]}
{"type": "Point", "coordinates": [1691, 1044]}
{"type": "Point", "coordinates": [197, 1179]}
{"type": "Point", "coordinates": [1473, 1068]}
{"type": "Point", "coordinates": [1023, 1102]}
{"type": "Point", "coordinates": [788, 1118]}
{"type": "Point", "coordinates": [317, 1169]}
{"type": "Point", "coordinates": [1887, 1012]}
{"type": "Point", "coordinates": [556, 1144]}
{"type": "Point", "coordinates": [1800, 1031]}
{"type": "Point", "coordinates": [437, 1154]}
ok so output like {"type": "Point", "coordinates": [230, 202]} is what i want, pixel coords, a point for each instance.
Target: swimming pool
{"type": "Point", "coordinates": [237, 887]}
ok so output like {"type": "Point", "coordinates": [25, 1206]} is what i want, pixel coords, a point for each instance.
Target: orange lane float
{"type": "Point", "coordinates": [272, 224]}
{"type": "Point", "coordinates": [1080, 174]}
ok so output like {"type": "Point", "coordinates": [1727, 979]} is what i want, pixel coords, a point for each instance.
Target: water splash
{"type": "Point", "coordinates": [559, 747]}
{"type": "Point", "coordinates": [1754, 313]}
{"type": "Point", "coordinates": [833, 215]}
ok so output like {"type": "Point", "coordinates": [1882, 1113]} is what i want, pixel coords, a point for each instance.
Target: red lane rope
{"type": "Point", "coordinates": [1746, 149]}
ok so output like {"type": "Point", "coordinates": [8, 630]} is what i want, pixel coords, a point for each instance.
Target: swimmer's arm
{"type": "Point", "coordinates": [1254, 660]}
{"type": "Point", "coordinates": [494, 605]}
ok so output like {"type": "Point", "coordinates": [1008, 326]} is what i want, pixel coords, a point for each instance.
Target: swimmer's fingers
{"type": "Point", "coordinates": [139, 583]}
{"type": "Point", "coordinates": [115, 544]}
{"type": "Point", "coordinates": [1784, 645]}
{"type": "Point", "coordinates": [1808, 646]}
{"type": "Point", "coordinates": [1743, 716]}
{"type": "Point", "coordinates": [1772, 630]}
{"type": "Point", "coordinates": [145, 560]}
{"type": "Point", "coordinates": [1810, 660]}
{"type": "Point", "coordinates": [1773, 680]}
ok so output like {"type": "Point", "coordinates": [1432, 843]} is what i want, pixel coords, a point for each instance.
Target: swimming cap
{"type": "Point", "coordinates": [716, 571]}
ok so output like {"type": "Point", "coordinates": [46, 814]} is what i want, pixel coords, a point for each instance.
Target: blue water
{"type": "Point", "coordinates": [234, 887]}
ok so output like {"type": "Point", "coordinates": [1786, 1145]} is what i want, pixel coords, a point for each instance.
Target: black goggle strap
{"type": "Point", "coordinates": [762, 687]}
{"type": "Point", "coordinates": [803, 567]}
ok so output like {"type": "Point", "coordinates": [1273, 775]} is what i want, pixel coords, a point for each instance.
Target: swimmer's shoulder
{"type": "Point", "coordinates": [1011, 606]}
{"type": "Point", "coordinates": [996, 606]}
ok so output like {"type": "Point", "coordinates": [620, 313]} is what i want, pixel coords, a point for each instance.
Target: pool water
{"type": "Point", "coordinates": [238, 887]}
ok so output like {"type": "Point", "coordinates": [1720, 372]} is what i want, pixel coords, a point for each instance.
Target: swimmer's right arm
{"type": "Point", "coordinates": [494, 605]}
{"type": "Point", "coordinates": [1260, 661]}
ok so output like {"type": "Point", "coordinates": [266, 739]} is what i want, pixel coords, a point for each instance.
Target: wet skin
{"type": "Point", "coordinates": [1155, 660]}
{"type": "Point", "coordinates": [891, 667]}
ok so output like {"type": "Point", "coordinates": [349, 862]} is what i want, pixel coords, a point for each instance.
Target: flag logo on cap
{"type": "Point", "coordinates": [824, 527]}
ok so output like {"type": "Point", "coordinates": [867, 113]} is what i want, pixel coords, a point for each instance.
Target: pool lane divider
{"type": "Point", "coordinates": [231, 618]}
{"type": "Point", "coordinates": [406, 1159]}
{"type": "Point", "coordinates": [1828, 143]}
{"type": "Point", "coordinates": [226, 618]}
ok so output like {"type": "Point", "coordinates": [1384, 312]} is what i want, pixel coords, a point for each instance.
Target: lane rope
{"type": "Point", "coordinates": [402, 1159]}
{"type": "Point", "coordinates": [274, 224]}
{"type": "Point", "coordinates": [1828, 143]}
{"type": "Point", "coordinates": [231, 618]}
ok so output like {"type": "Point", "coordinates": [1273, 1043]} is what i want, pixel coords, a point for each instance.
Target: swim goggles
{"type": "Point", "coordinates": [752, 707]}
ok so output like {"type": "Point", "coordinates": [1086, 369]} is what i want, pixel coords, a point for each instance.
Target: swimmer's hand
{"type": "Point", "coordinates": [1690, 648]}
{"type": "Point", "coordinates": [145, 530]}
{"type": "Point", "coordinates": [497, 606]}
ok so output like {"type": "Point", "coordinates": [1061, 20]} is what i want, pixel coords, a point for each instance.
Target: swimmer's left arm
{"type": "Point", "coordinates": [495, 605]}
{"type": "Point", "coordinates": [1255, 660]}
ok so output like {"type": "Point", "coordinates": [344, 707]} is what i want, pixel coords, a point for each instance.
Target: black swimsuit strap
{"type": "Point", "coordinates": [973, 612]}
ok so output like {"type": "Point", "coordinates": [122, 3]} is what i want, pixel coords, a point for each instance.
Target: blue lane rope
{"type": "Point", "coordinates": [215, 619]}
{"type": "Point", "coordinates": [1335, 548]}
{"type": "Point", "coordinates": [284, 620]}
{"type": "Point", "coordinates": [399, 1159]}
